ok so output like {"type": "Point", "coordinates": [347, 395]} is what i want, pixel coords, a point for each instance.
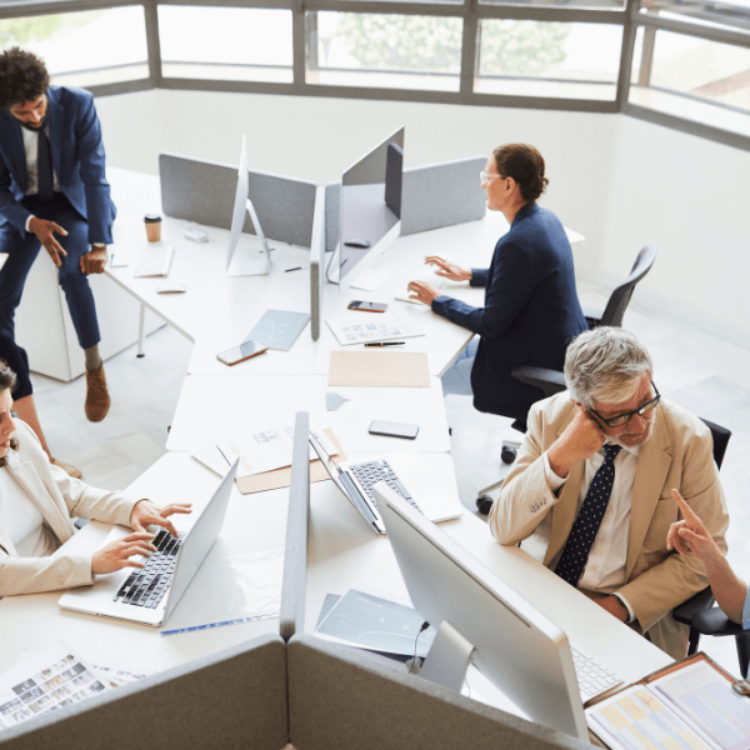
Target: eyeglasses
{"type": "Point", "coordinates": [487, 176]}
{"type": "Point", "coordinates": [641, 411]}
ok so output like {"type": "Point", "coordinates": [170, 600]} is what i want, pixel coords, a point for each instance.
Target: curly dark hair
{"type": "Point", "coordinates": [525, 165]}
{"type": "Point", "coordinates": [23, 77]}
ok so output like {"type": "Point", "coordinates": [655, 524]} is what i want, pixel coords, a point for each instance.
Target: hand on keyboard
{"type": "Point", "coordinates": [423, 291]}
{"type": "Point", "coordinates": [117, 555]}
{"type": "Point", "coordinates": [447, 269]}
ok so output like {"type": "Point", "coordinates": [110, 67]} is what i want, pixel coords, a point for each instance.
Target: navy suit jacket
{"type": "Point", "coordinates": [77, 158]}
{"type": "Point", "coordinates": [530, 313]}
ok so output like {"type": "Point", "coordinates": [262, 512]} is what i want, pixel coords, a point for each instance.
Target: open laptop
{"type": "Point", "coordinates": [406, 473]}
{"type": "Point", "coordinates": [129, 595]}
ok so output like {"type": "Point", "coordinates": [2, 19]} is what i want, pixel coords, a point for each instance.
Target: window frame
{"type": "Point", "coordinates": [630, 18]}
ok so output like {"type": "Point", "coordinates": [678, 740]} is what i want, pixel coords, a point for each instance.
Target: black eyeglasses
{"type": "Point", "coordinates": [641, 411]}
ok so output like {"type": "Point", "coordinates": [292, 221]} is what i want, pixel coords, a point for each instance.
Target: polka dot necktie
{"type": "Point", "coordinates": [586, 526]}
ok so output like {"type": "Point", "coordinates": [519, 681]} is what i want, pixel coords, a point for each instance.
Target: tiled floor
{"type": "Point", "coordinates": [702, 372]}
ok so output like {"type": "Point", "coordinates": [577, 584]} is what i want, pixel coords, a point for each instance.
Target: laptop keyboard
{"type": "Point", "coordinates": [372, 472]}
{"type": "Point", "coordinates": [594, 677]}
{"type": "Point", "coordinates": [146, 587]}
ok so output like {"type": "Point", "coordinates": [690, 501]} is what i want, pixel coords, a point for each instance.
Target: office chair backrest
{"type": "Point", "coordinates": [721, 437]}
{"type": "Point", "coordinates": [620, 297]}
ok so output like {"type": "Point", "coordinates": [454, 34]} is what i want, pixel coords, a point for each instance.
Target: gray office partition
{"type": "Point", "coordinates": [236, 698]}
{"type": "Point", "coordinates": [317, 262]}
{"type": "Point", "coordinates": [438, 195]}
{"type": "Point", "coordinates": [203, 191]}
{"type": "Point", "coordinates": [294, 582]}
{"type": "Point", "coordinates": [343, 697]}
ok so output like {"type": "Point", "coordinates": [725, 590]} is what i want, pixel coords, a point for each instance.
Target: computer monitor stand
{"type": "Point", "coordinates": [252, 260]}
{"type": "Point", "coordinates": [448, 658]}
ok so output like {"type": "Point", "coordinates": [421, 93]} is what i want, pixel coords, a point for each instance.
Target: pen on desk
{"type": "Point", "coordinates": [386, 343]}
{"type": "Point", "coordinates": [296, 268]}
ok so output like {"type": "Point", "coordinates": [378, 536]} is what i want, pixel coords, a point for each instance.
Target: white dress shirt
{"type": "Point", "coordinates": [605, 567]}
{"type": "Point", "coordinates": [23, 521]}
{"type": "Point", "coordinates": [31, 146]}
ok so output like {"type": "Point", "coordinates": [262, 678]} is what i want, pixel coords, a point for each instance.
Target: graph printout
{"type": "Point", "coordinates": [707, 699]}
{"type": "Point", "coordinates": [636, 719]}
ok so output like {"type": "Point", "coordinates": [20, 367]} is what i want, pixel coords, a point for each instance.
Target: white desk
{"type": "Point", "coordinates": [252, 523]}
{"type": "Point", "coordinates": [213, 408]}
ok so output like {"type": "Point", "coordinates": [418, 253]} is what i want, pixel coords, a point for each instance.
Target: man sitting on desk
{"type": "Point", "coordinates": [531, 307]}
{"type": "Point", "coordinates": [590, 494]}
{"type": "Point", "coordinates": [37, 500]}
{"type": "Point", "coordinates": [53, 193]}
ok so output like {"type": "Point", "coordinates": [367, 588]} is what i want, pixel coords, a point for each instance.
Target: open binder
{"type": "Point", "coordinates": [690, 704]}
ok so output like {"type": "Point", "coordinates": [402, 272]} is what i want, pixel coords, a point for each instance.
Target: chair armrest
{"type": "Point", "coordinates": [714, 622]}
{"type": "Point", "coordinates": [550, 381]}
{"type": "Point", "coordinates": [699, 602]}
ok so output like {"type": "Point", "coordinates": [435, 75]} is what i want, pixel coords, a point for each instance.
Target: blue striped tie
{"type": "Point", "coordinates": [586, 526]}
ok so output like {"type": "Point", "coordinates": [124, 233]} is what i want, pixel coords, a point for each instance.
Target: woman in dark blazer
{"type": "Point", "coordinates": [531, 307]}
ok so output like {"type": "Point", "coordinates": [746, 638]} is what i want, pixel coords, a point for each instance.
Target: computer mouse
{"type": "Point", "coordinates": [357, 243]}
{"type": "Point", "coordinates": [171, 288]}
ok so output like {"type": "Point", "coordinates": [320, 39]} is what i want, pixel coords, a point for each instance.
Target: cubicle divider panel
{"type": "Point", "coordinates": [203, 192]}
{"type": "Point", "coordinates": [342, 697]}
{"type": "Point", "coordinates": [294, 582]}
{"type": "Point", "coordinates": [235, 699]}
{"type": "Point", "coordinates": [438, 195]}
{"type": "Point", "coordinates": [441, 195]}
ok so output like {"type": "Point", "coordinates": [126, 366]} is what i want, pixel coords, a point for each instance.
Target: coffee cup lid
{"type": "Point", "coordinates": [152, 218]}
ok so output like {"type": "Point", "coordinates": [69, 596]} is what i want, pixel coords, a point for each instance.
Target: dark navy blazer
{"type": "Point", "coordinates": [77, 158]}
{"type": "Point", "coordinates": [530, 313]}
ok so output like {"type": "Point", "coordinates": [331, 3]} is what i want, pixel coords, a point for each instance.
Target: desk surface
{"type": "Point", "coordinates": [213, 408]}
{"type": "Point", "coordinates": [217, 311]}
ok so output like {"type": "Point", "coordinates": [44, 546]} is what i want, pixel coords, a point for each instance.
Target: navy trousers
{"type": "Point", "coordinates": [22, 252]}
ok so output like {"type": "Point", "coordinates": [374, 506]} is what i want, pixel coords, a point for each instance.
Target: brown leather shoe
{"type": "Point", "coordinates": [97, 396]}
{"type": "Point", "coordinates": [68, 468]}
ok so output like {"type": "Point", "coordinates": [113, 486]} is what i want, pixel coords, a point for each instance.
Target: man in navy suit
{"type": "Point", "coordinates": [53, 193]}
{"type": "Point", "coordinates": [531, 309]}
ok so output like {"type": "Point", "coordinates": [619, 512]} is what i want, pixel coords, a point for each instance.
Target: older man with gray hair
{"type": "Point", "coordinates": [590, 494]}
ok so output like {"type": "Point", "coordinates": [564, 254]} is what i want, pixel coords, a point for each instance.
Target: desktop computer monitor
{"type": "Point", "coordinates": [370, 205]}
{"type": "Point", "coordinates": [479, 617]}
{"type": "Point", "coordinates": [250, 260]}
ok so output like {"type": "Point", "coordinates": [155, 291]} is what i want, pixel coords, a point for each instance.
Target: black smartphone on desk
{"type": "Point", "coordinates": [245, 350]}
{"type": "Point", "coordinates": [377, 307]}
{"type": "Point", "coordinates": [394, 429]}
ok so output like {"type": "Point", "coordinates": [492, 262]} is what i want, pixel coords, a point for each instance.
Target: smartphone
{"type": "Point", "coordinates": [394, 429]}
{"type": "Point", "coordinates": [245, 350]}
{"type": "Point", "coordinates": [357, 304]}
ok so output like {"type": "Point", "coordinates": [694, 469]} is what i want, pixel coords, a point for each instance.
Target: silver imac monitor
{"type": "Point", "coordinates": [245, 257]}
{"type": "Point", "coordinates": [370, 205]}
{"type": "Point", "coordinates": [480, 618]}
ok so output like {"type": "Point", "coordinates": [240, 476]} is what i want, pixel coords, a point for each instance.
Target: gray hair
{"type": "Point", "coordinates": [606, 364]}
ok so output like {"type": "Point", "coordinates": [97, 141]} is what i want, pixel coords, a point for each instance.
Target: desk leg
{"type": "Point", "coordinates": [141, 331]}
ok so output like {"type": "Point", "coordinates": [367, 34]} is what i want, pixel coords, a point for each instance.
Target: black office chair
{"type": "Point", "coordinates": [698, 612]}
{"type": "Point", "coordinates": [619, 300]}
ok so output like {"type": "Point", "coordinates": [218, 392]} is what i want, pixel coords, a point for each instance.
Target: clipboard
{"type": "Point", "coordinates": [273, 480]}
{"type": "Point", "coordinates": [653, 679]}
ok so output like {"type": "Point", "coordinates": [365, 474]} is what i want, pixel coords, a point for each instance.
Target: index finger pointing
{"type": "Point", "coordinates": [686, 510]}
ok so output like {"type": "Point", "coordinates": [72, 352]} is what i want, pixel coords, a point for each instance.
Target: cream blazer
{"type": "Point", "coordinates": [58, 497]}
{"type": "Point", "coordinates": [677, 454]}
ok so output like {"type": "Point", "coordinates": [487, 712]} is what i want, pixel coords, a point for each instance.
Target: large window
{"type": "Point", "coordinates": [87, 48]}
{"type": "Point", "coordinates": [231, 44]}
{"type": "Point", "coordinates": [384, 51]}
{"type": "Point", "coordinates": [682, 63]}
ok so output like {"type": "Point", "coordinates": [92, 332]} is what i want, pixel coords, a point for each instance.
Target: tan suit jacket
{"type": "Point", "coordinates": [677, 454]}
{"type": "Point", "coordinates": [58, 497]}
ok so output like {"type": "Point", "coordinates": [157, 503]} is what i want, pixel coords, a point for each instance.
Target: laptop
{"type": "Point", "coordinates": [406, 473]}
{"type": "Point", "coordinates": [150, 599]}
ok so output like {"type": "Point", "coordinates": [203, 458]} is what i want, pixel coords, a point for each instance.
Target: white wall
{"type": "Point", "coordinates": [689, 197]}
{"type": "Point", "coordinates": [621, 182]}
